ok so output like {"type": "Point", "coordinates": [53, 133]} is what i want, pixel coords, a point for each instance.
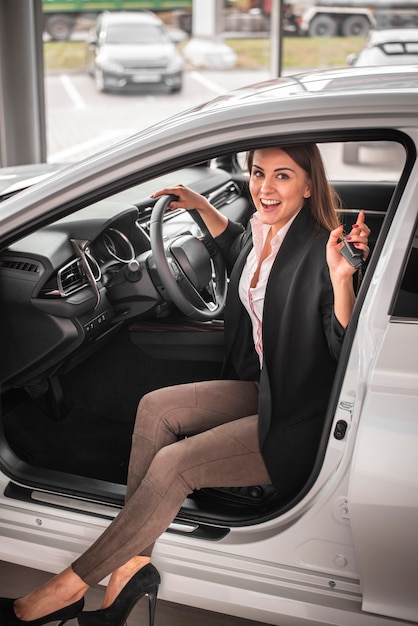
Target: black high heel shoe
{"type": "Point", "coordinates": [144, 582]}
{"type": "Point", "coordinates": [8, 616]}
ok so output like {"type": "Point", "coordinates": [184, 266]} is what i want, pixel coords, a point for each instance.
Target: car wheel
{"type": "Point", "coordinates": [59, 27]}
{"type": "Point", "coordinates": [99, 80]}
{"type": "Point", "coordinates": [323, 26]}
{"type": "Point", "coordinates": [355, 26]}
{"type": "Point", "coordinates": [90, 65]}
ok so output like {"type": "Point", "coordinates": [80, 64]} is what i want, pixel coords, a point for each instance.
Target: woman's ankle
{"type": "Point", "coordinates": [57, 593]}
{"type": "Point", "coordinates": [121, 576]}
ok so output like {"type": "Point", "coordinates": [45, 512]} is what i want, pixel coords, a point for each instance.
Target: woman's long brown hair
{"type": "Point", "coordinates": [324, 201]}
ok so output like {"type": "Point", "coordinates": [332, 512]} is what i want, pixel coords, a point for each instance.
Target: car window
{"type": "Point", "coordinates": [360, 160]}
{"type": "Point", "coordinates": [406, 301]}
{"type": "Point", "coordinates": [398, 47]}
{"type": "Point", "coordinates": [134, 34]}
{"type": "Point", "coordinates": [364, 160]}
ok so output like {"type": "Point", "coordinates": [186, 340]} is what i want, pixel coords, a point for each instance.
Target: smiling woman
{"type": "Point", "coordinates": [91, 332]}
{"type": "Point", "coordinates": [278, 186]}
{"type": "Point", "coordinates": [221, 433]}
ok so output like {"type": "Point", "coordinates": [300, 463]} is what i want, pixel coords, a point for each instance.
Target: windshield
{"type": "Point", "coordinates": [135, 34]}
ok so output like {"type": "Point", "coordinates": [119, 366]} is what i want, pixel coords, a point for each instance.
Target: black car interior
{"type": "Point", "coordinates": [87, 329]}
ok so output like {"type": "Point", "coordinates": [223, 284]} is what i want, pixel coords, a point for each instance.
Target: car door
{"type": "Point", "coordinates": [384, 478]}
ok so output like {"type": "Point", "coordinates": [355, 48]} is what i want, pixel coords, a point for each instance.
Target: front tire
{"type": "Point", "coordinates": [99, 80]}
{"type": "Point", "coordinates": [59, 27]}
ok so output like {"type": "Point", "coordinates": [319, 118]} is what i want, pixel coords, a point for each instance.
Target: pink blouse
{"type": "Point", "coordinates": [253, 297]}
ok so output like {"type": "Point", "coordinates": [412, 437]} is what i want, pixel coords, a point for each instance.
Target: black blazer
{"type": "Point", "coordinates": [301, 343]}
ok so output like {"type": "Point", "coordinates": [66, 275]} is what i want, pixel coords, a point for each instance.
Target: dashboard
{"type": "Point", "coordinates": [69, 285]}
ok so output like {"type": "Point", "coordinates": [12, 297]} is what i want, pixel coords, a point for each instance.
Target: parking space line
{"type": "Point", "coordinates": [206, 82]}
{"type": "Point", "coordinates": [73, 93]}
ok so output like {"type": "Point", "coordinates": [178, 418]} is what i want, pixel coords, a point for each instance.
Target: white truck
{"type": "Point", "coordinates": [352, 18]}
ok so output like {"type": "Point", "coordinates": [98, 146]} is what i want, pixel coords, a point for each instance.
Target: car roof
{"type": "Point", "coordinates": [349, 80]}
{"type": "Point", "coordinates": [139, 17]}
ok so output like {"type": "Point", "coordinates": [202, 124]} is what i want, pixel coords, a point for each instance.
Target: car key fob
{"type": "Point", "coordinates": [352, 254]}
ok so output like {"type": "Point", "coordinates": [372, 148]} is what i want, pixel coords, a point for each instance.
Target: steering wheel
{"type": "Point", "coordinates": [191, 270]}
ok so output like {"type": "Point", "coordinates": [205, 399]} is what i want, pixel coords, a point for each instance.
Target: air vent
{"type": "Point", "coordinates": [23, 266]}
{"type": "Point", "coordinates": [225, 195]}
{"type": "Point", "coordinates": [71, 278]}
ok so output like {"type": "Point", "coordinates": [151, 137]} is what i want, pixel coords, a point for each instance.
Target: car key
{"type": "Point", "coordinates": [352, 254]}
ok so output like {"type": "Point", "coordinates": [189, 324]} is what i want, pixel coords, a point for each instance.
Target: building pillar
{"type": "Point", "coordinates": [276, 37]}
{"type": "Point", "coordinates": [22, 104]}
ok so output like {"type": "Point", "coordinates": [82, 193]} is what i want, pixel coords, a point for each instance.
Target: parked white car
{"type": "Point", "coordinates": [391, 46]}
{"type": "Point", "coordinates": [88, 326]}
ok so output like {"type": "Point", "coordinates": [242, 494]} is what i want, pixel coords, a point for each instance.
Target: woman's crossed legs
{"type": "Point", "coordinates": [186, 437]}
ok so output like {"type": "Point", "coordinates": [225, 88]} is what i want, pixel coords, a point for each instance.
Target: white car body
{"type": "Point", "coordinates": [391, 46]}
{"type": "Point", "coordinates": [346, 551]}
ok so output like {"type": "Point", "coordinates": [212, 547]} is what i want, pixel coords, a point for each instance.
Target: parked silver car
{"type": "Point", "coordinates": [130, 50]}
{"type": "Point", "coordinates": [90, 323]}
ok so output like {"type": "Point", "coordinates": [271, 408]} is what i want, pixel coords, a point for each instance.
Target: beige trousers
{"type": "Point", "coordinates": [185, 438]}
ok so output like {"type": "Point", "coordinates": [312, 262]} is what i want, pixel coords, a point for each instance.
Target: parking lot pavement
{"type": "Point", "coordinates": [81, 121]}
{"type": "Point", "coordinates": [16, 581]}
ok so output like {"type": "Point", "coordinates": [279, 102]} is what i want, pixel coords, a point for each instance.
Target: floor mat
{"type": "Point", "coordinates": [83, 443]}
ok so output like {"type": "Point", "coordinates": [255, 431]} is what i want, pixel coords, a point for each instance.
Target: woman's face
{"type": "Point", "coordinates": [278, 187]}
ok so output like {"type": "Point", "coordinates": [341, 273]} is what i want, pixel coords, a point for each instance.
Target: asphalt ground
{"type": "Point", "coordinates": [81, 121]}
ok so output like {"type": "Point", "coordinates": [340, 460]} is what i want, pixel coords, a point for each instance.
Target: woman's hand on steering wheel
{"type": "Point", "coordinates": [186, 198]}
